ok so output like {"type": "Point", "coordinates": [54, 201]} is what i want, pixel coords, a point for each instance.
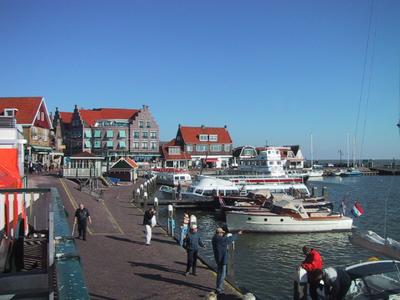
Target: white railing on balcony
{"type": "Point", "coordinates": [81, 173]}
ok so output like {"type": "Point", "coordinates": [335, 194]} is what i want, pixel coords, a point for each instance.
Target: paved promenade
{"type": "Point", "coordinates": [117, 263]}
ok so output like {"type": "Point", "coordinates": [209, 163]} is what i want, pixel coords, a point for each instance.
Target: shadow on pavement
{"type": "Point", "coordinates": [156, 267]}
{"type": "Point", "coordinates": [174, 281]}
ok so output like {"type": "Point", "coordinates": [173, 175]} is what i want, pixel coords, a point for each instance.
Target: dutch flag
{"type": "Point", "coordinates": [357, 210]}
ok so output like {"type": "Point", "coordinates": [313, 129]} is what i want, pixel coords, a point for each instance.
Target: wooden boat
{"type": "Point", "coordinates": [288, 217]}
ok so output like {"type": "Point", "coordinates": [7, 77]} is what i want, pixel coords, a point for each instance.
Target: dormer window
{"type": "Point", "coordinates": [213, 138]}
{"type": "Point", "coordinates": [203, 137]}
{"type": "Point", "coordinates": [10, 112]}
{"type": "Point", "coordinates": [174, 150]}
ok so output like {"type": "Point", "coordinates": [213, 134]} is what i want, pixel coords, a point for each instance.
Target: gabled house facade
{"type": "Point", "coordinates": [31, 113]}
{"type": "Point", "coordinates": [174, 155]}
{"type": "Point", "coordinates": [111, 133]}
{"type": "Point", "coordinates": [294, 157]}
{"type": "Point", "coordinates": [207, 146]}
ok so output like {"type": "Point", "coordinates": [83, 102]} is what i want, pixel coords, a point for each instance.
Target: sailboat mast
{"type": "Point", "coordinates": [348, 150]}
{"type": "Point", "coordinates": [312, 152]}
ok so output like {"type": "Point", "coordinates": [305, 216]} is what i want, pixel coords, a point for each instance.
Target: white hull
{"type": "Point", "coordinates": [270, 222]}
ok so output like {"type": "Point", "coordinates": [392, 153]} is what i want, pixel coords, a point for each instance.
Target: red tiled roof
{"type": "Point", "coordinates": [66, 117]}
{"type": "Point", "coordinates": [167, 156]}
{"type": "Point", "coordinates": [131, 162]}
{"type": "Point", "coordinates": [90, 116]}
{"type": "Point", "coordinates": [190, 135]}
{"type": "Point", "coordinates": [27, 107]}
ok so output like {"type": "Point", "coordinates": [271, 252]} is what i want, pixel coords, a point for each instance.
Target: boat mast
{"type": "Point", "coordinates": [348, 150]}
{"type": "Point", "coordinates": [312, 153]}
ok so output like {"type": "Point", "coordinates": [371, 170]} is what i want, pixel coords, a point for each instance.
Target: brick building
{"type": "Point", "coordinates": [207, 146]}
{"type": "Point", "coordinates": [111, 132]}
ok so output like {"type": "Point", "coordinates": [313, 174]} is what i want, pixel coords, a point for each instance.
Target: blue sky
{"type": "Point", "coordinates": [269, 70]}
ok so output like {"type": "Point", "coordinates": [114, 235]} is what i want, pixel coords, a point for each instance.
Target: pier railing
{"type": "Point", "coordinates": [37, 217]}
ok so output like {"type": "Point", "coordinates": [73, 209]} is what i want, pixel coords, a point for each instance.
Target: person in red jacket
{"type": "Point", "coordinates": [313, 265]}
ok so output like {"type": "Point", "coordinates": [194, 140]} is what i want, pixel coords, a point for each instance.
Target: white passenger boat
{"type": "Point", "coordinates": [285, 217]}
{"type": "Point", "coordinates": [172, 176]}
{"type": "Point", "coordinates": [207, 187]}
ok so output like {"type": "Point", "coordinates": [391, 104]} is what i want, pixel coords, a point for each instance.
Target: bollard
{"type": "Point", "coordinates": [325, 192]}
{"type": "Point", "coordinates": [314, 191]}
{"type": "Point", "coordinates": [145, 198]}
{"type": "Point", "coordinates": [171, 221]}
{"type": "Point", "coordinates": [156, 206]}
{"type": "Point", "coordinates": [231, 260]}
{"type": "Point", "coordinates": [138, 195]}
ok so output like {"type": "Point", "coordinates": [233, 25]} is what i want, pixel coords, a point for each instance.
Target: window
{"type": "Point", "coordinates": [201, 148]}
{"type": "Point", "coordinates": [97, 144]}
{"type": "Point", "coordinates": [97, 134]}
{"type": "Point", "coordinates": [153, 134]}
{"type": "Point", "coordinates": [88, 144]}
{"type": "Point", "coordinates": [88, 133]}
{"type": "Point", "coordinates": [148, 124]}
{"type": "Point", "coordinates": [110, 144]}
{"type": "Point", "coordinates": [189, 148]}
{"type": "Point", "coordinates": [110, 133]}
{"type": "Point", "coordinates": [122, 134]}
{"type": "Point", "coordinates": [145, 134]}
{"type": "Point", "coordinates": [227, 148]}
{"type": "Point", "coordinates": [42, 116]}
{"type": "Point", "coordinates": [136, 134]}
{"type": "Point", "coordinates": [203, 137]}
{"type": "Point", "coordinates": [174, 150]}
{"type": "Point", "coordinates": [34, 133]}
{"type": "Point", "coordinates": [144, 145]}
{"type": "Point", "coordinates": [153, 145]}
{"type": "Point", "coordinates": [122, 144]}
{"type": "Point", "coordinates": [215, 148]}
{"type": "Point", "coordinates": [213, 138]}
{"type": "Point", "coordinates": [136, 145]}
{"type": "Point", "coordinates": [141, 124]}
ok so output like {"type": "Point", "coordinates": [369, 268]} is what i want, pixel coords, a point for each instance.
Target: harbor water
{"type": "Point", "coordinates": [266, 263]}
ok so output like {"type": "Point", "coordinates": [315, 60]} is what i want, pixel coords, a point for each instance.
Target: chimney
{"type": "Point", "coordinates": [225, 126]}
{"type": "Point", "coordinates": [202, 126]}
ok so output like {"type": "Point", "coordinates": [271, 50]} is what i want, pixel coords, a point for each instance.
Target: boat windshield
{"type": "Point", "coordinates": [376, 286]}
{"type": "Point", "coordinates": [198, 191]}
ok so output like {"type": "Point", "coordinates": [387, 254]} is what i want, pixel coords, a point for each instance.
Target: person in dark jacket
{"type": "Point", "coordinates": [192, 242]}
{"type": "Point", "coordinates": [220, 243]}
{"type": "Point", "coordinates": [82, 215]}
{"type": "Point", "coordinates": [148, 223]}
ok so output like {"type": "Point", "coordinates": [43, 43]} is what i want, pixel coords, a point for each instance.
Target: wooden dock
{"type": "Point", "coordinates": [387, 170]}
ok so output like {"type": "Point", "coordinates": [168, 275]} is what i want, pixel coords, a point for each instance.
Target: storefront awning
{"type": "Point", "coordinates": [41, 149]}
{"type": "Point", "coordinates": [211, 160]}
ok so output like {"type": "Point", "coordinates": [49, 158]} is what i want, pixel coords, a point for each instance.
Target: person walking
{"type": "Point", "coordinates": [220, 243]}
{"type": "Point", "coordinates": [82, 215]}
{"type": "Point", "coordinates": [184, 228]}
{"type": "Point", "coordinates": [179, 191]}
{"type": "Point", "coordinates": [149, 221]}
{"type": "Point", "coordinates": [313, 265]}
{"type": "Point", "coordinates": [192, 241]}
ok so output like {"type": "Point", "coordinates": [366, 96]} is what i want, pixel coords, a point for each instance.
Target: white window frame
{"type": "Point", "coordinates": [213, 137]}
{"type": "Point", "coordinates": [203, 137]}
